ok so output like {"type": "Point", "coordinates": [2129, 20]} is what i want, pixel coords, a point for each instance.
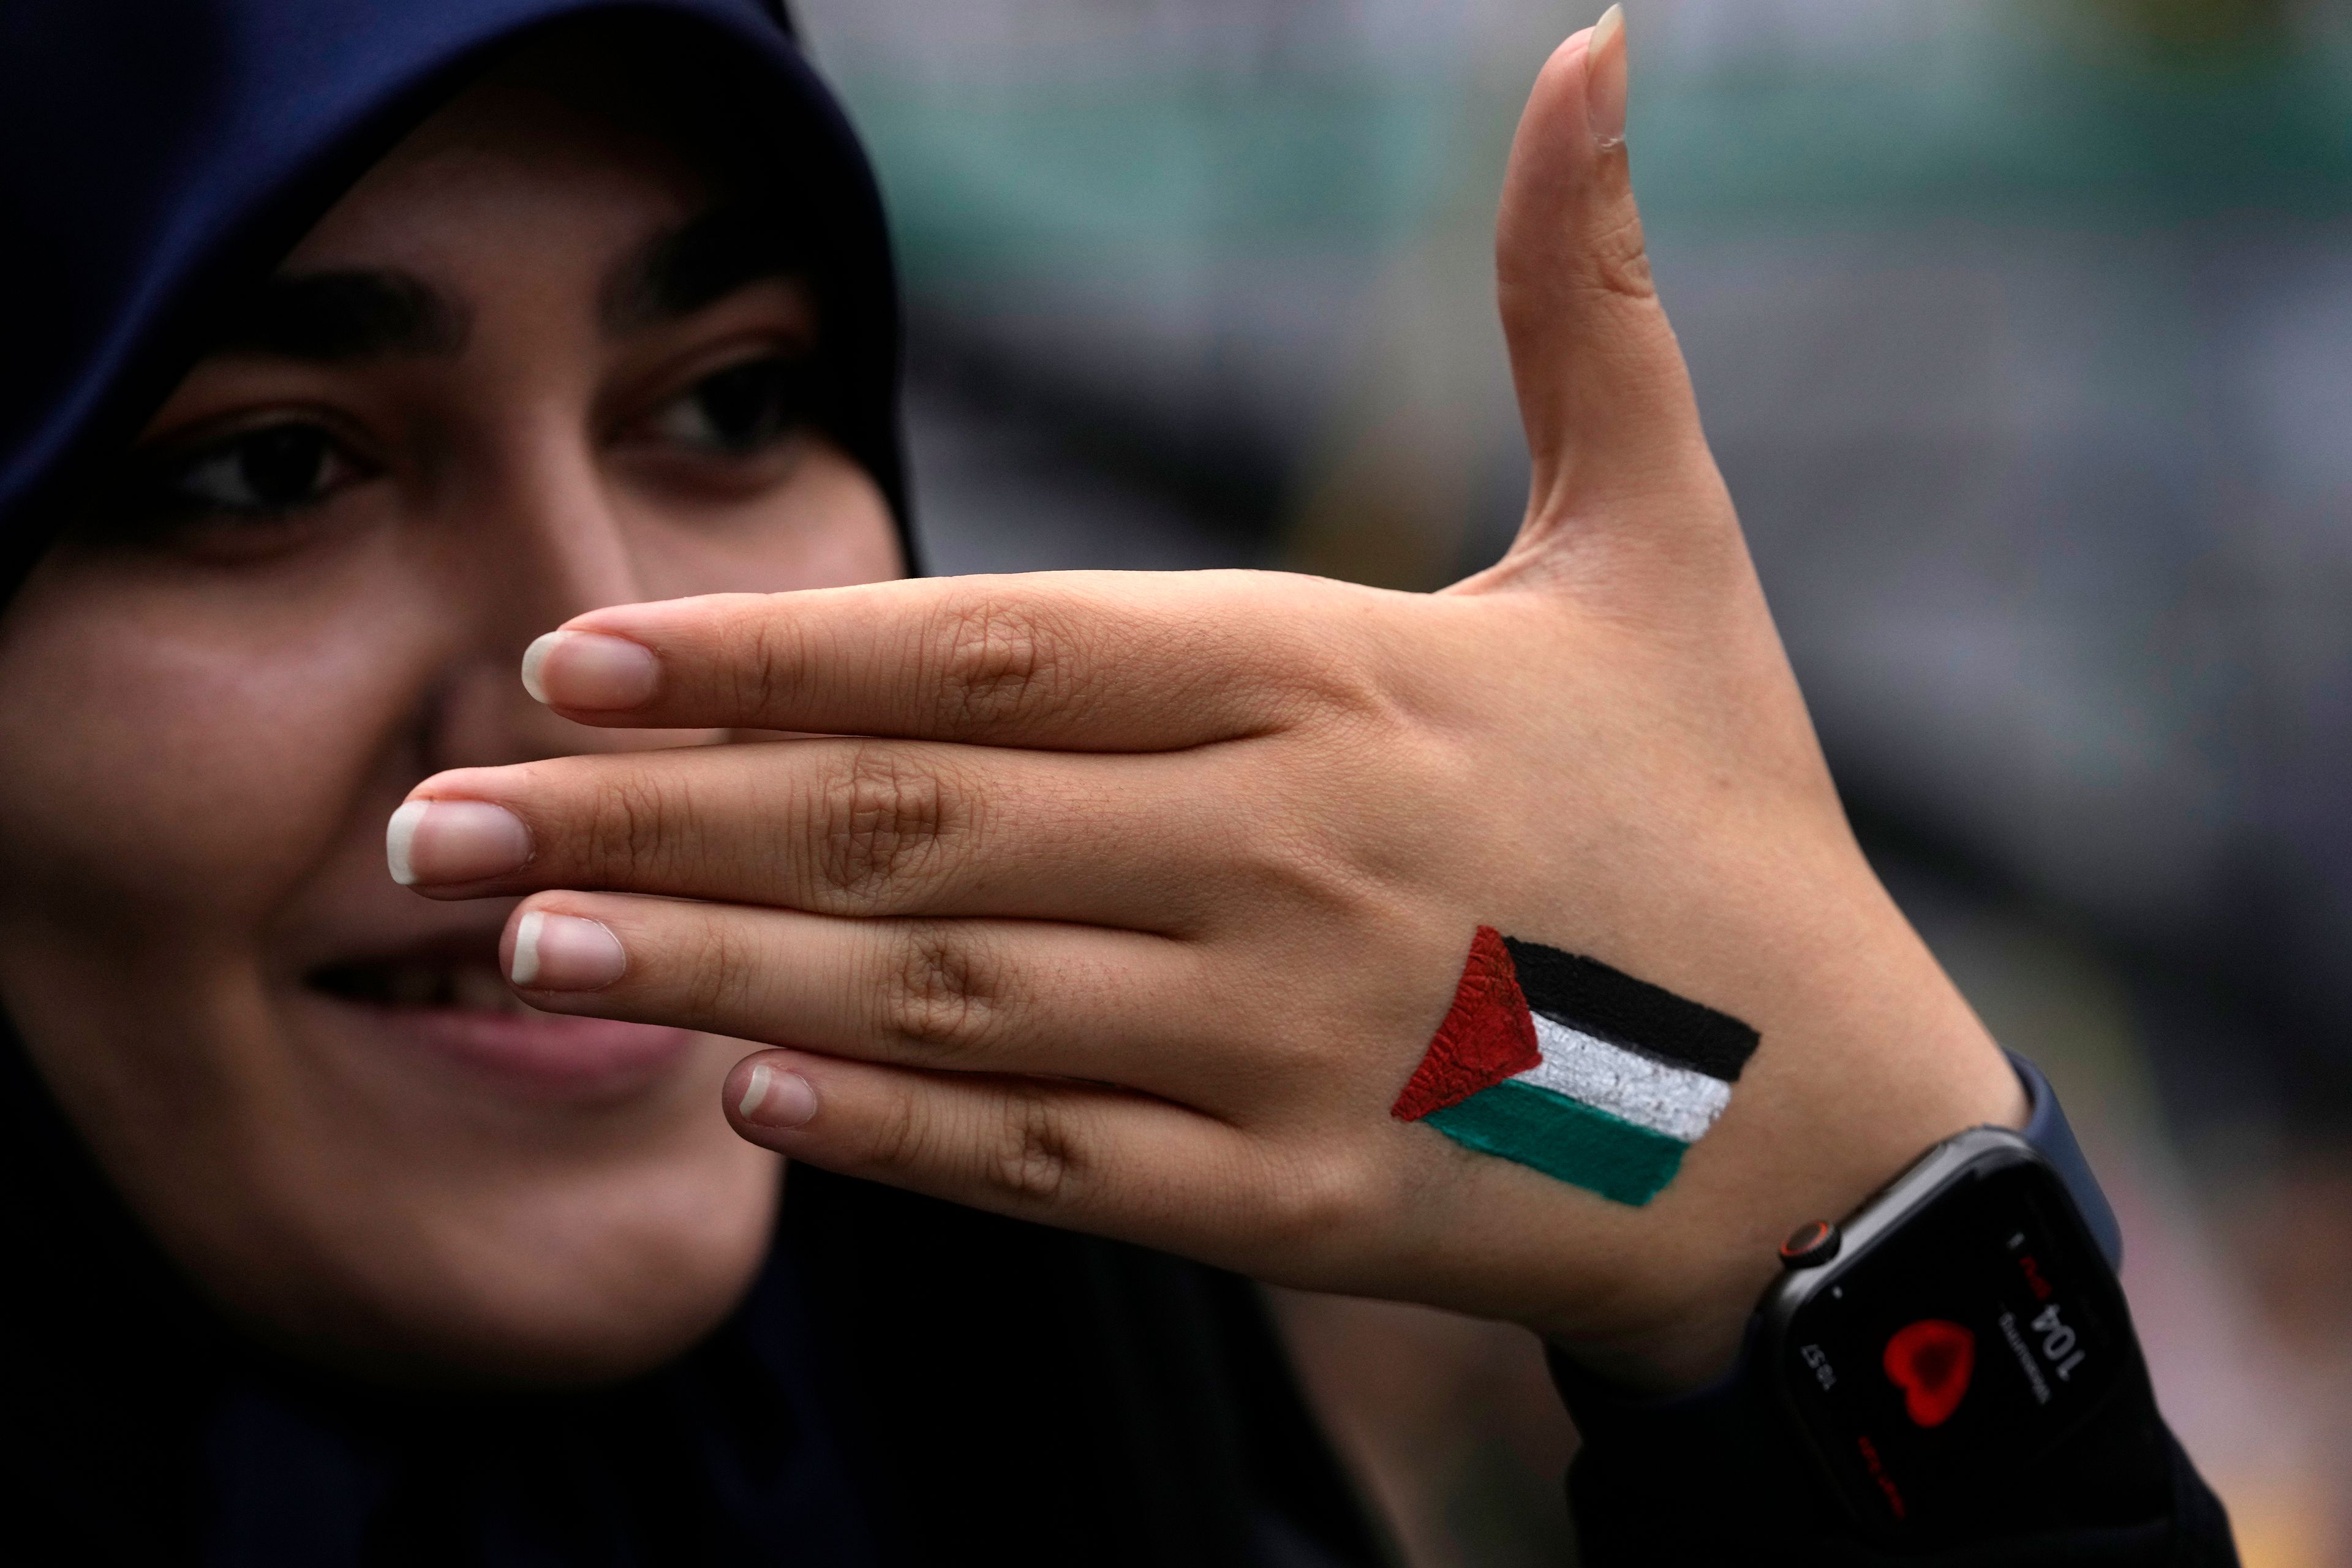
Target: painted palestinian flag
{"type": "Point", "coordinates": [1565, 1065]}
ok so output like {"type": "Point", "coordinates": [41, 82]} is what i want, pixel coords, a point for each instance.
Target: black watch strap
{"type": "Point", "coordinates": [2047, 1130]}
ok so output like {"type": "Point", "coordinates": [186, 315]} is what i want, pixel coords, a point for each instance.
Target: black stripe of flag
{"type": "Point", "coordinates": [1587, 994]}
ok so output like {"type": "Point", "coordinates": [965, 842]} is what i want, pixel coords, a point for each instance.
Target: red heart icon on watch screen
{"type": "Point", "coordinates": [1930, 1361]}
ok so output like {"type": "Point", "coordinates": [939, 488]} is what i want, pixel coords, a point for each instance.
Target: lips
{"type": "Point", "coordinates": [443, 1003]}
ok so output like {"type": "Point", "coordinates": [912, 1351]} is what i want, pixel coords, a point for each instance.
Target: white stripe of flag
{"type": "Point", "coordinates": [1674, 1100]}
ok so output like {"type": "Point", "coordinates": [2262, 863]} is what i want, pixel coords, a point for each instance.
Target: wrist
{"type": "Point", "coordinates": [1997, 1240]}
{"type": "Point", "coordinates": [1828, 1120]}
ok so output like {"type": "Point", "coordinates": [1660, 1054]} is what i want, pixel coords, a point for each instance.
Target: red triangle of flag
{"type": "Point", "coordinates": [1488, 1035]}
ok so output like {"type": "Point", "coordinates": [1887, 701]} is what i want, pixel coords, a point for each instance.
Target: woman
{"type": "Point", "coordinates": [358, 351]}
{"type": "Point", "coordinates": [590, 317]}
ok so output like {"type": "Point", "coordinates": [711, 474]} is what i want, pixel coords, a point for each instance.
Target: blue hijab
{"type": "Point", "coordinates": [157, 156]}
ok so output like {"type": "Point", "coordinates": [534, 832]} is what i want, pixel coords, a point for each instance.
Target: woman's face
{"type": "Point", "coordinates": [533, 362]}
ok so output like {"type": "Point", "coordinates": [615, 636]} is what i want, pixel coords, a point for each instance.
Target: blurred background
{"type": "Point", "coordinates": [2023, 331]}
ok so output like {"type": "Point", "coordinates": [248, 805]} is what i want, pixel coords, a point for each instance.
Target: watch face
{"type": "Point", "coordinates": [1936, 1368]}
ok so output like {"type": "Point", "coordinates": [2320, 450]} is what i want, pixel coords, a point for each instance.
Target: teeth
{"type": "Point", "coordinates": [412, 985]}
{"type": "Point", "coordinates": [481, 990]}
{"type": "Point", "coordinates": [471, 987]}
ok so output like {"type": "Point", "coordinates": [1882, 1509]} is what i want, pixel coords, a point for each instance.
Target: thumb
{"type": "Point", "coordinates": [1602, 390]}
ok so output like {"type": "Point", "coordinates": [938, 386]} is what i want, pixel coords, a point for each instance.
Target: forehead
{"type": "Point", "coordinates": [506, 146]}
{"type": "Point", "coordinates": [550, 183]}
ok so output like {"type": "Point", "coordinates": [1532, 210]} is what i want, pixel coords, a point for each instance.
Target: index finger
{"type": "Point", "coordinates": [1070, 661]}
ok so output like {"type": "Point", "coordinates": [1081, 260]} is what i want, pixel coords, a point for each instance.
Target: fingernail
{"type": "Point", "coordinates": [775, 1098]}
{"type": "Point", "coordinates": [565, 952]}
{"type": "Point", "coordinates": [1604, 78]}
{"type": "Point", "coordinates": [590, 670]}
{"type": "Point", "coordinates": [439, 841]}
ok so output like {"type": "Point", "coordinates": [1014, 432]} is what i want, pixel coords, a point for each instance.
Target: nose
{"type": "Point", "coordinates": [542, 539]}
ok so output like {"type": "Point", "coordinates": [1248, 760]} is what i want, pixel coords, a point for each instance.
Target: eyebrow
{"type": "Point", "coordinates": [334, 317]}
{"type": "Point", "coordinates": [699, 263]}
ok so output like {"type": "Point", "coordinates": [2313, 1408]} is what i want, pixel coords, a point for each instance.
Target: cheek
{"type": "Point", "coordinates": [173, 751]}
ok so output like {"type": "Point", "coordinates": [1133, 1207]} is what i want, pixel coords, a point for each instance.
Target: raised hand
{"type": "Point", "coordinates": [1132, 902]}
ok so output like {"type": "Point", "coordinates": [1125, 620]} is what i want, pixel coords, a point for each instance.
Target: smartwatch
{"type": "Point", "coordinates": [1952, 1363]}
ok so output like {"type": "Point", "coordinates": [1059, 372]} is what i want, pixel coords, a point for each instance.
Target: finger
{"type": "Point", "coordinates": [988, 996]}
{"type": "Point", "coordinates": [1074, 1155]}
{"type": "Point", "coordinates": [1080, 662]}
{"type": "Point", "coordinates": [1602, 388]}
{"type": "Point", "coordinates": [845, 827]}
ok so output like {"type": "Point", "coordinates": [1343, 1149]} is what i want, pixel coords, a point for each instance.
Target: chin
{"type": "Point", "coordinates": [569, 1277]}
{"type": "Point", "coordinates": [433, 1183]}
{"type": "Point", "coordinates": [373, 1158]}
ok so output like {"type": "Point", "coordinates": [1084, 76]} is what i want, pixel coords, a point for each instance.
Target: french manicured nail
{"type": "Point", "coordinates": [439, 841]}
{"type": "Point", "coordinates": [565, 952]}
{"type": "Point", "coordinates": [1604, 78]}
{"type": "Point", "coordinates": [590, 670]}
{"type": "Point", "coordinates": [773, 1098]}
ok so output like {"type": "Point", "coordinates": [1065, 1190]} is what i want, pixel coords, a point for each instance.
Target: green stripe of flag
{"type": "Point", "coordinates": [1563, 1138]}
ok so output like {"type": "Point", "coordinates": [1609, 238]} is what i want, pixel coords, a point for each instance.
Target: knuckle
{"type": "Point", "coordinates": [1337, 848]}
{"type": "Point", "coordinates": [1033, 1159]}
{"type": "Point", "coordinates": [1308, 871]}
{"type": "Point", "coordinates": [1308, 1199]}
{"type": "Point", "coordinates": [1617, 256]}
{"type": "Point", "coordinates": [1354, 692]}
{"type": "Point", "coordinates": [902, 1135]}
{"type": "Point", "coordinates": [882, 824]}
{"type": "Point", "coordinates": [635, 820]}
{"type": "Point", "coordinates": [766, 658]}
{"type": "Point", "coordinates": [997, 661]}
{"type": "Point", "coordinates": [942, 1002]}
{"type": "Point", "coordinates": [721, 984]}
{"type": "Point", "coordinates": [1354, 702]}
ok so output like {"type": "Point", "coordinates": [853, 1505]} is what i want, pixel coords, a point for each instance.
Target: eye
{"type": "Point", "coordinates": [275, 468]}
{"type": "Point", "coordinates": [740, 409]}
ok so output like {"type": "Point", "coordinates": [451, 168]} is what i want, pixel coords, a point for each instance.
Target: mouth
{"type": "Point", "coordinates": [460, 985]}
{"type": "Point", "coordinates": [446, 1005]}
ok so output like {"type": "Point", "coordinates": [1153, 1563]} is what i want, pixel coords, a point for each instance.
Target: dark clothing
{"type": "Point", "coordinates": [1661, 1512]}
{"type": "Point", "coordinates": [1060, 1398]}
{"type": "Point", "coordinates": [909, 1383]}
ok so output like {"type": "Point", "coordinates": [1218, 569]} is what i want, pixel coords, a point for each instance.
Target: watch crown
{"type": "Point", "coordinates": [1811, 1245]}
